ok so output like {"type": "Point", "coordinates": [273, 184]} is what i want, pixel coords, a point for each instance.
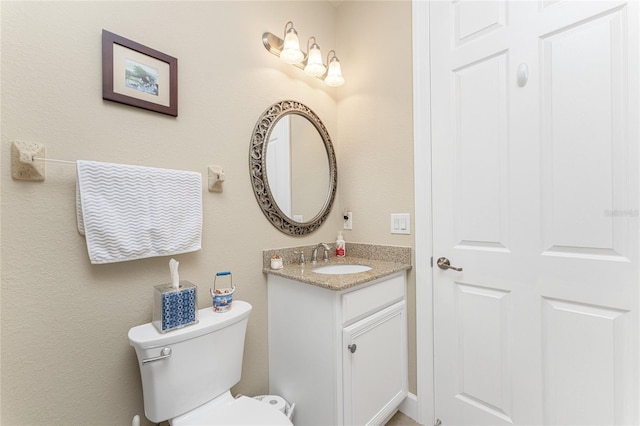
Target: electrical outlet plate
{"type": "Point", "coordinates": [348, 222]}
{"type": "Point", "coordinates": [400, 223]}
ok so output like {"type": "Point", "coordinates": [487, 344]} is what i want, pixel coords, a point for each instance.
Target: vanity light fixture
{"type": "Point", "coordinates": [289, 51]}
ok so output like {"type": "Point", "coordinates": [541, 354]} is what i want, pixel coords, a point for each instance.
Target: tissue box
{"type": "Point", "coordinates": [173, 309]}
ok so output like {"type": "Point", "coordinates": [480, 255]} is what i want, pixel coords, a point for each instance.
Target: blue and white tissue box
{"type": "Point", "coordinates": [174, 309]}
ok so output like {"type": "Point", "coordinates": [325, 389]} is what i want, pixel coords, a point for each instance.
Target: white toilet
{"type": "Point", "coordinates": [187, 374]}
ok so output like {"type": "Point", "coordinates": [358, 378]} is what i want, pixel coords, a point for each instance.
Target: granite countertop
{"type": "Point", "coordinates": [304, 273]}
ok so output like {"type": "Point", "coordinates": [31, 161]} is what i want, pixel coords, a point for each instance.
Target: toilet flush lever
{"type": "Point", "coordinates": [164, 353]}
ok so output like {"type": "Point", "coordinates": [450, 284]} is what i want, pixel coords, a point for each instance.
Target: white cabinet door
{"type": "Point", "coordinates": [375, 366]}
{"type": "Point", "coordinates": [535, 195]}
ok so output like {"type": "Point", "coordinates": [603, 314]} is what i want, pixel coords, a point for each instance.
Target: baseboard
{"type": "Point", "coordinates": [409, 407]}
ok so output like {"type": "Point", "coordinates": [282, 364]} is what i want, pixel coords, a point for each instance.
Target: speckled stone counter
{"type": "Point", "coordinates": [383, 260]}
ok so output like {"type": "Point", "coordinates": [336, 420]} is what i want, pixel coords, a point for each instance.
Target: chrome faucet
{"type": "Point", "coordinates": [325, 255]}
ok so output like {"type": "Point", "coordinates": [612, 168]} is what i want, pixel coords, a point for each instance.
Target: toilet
{"type": "Point", "coordinates": [187, 374]}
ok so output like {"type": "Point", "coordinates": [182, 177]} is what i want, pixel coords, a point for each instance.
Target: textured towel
{"type": "Point", "coordinates": [131, 212]}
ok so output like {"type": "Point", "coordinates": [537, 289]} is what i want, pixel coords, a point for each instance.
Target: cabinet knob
{"type": "Point", "coordinates": [352, 348]}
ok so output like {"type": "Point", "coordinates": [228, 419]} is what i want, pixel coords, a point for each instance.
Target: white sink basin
{"type": "Point", "coordinates": [341, 269]}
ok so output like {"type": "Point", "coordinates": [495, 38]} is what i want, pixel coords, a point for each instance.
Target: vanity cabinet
{"type": "Point", "coordinates": [340, 355]}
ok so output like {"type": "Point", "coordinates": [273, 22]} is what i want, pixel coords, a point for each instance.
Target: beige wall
{"type": "Point", "coordinates": [65, 355]}
{"type": "Point", "coordinates": [375, 126]}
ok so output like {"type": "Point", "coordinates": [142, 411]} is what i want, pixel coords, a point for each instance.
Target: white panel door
{"type": "Point", "coordinates": [535, 195]}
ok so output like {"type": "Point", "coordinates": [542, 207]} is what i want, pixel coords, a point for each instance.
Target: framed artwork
{"type": "Point", "coordinates": [139, 76]}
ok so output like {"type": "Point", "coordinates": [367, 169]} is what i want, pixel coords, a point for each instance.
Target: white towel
{"type": "Point", "coordinates": [131, 212]}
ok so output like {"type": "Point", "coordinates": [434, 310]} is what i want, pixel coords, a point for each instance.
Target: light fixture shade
{"type": "Point", "coordinates": [291, 53]}
{"type": "Point", "coordinates": [334, 75]}
{"type": "Point", "coordinates": [315, 67]}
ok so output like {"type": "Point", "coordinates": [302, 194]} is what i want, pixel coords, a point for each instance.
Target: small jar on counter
{"type": "Point", "coordinates": [276, 262]}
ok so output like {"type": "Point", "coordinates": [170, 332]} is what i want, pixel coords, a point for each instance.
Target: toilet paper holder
{"type": "Point", "coordinates": [278, 403]}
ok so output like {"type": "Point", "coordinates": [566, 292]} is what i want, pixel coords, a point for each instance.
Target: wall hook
{"type": "Point", "coordinates": [522, 75]}
{"type": "Point", "coordinates": [216, 178]}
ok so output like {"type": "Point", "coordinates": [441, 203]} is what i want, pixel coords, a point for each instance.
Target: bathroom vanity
{"type": "Point", "coordinates": [338, 343]}
{"type": "Point", "coordinates": [337, 338]}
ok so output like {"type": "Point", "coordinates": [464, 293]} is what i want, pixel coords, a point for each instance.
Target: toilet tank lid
{"type": "Point", "coordinates": [147, 335]}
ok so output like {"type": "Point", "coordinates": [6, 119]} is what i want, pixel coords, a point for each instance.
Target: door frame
{"type": "Point", "coordinates": [423, 214]}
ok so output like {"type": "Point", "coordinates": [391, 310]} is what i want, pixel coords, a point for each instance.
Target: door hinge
{"type": "Point", "coordinates": [438, 422]}
{"type": "Point", "coordinates": [432, 261]}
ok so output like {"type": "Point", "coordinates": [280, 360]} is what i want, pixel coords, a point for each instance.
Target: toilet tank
{"type": "Point", "coordinates": [205, 361]}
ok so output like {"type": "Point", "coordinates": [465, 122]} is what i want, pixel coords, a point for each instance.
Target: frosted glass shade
{"type": "Point", "coordinates": [334, 75]}
{"type": "Point", "coordinates": [315, 67]}
{"type": "Point", "coordinates": [291, 53]}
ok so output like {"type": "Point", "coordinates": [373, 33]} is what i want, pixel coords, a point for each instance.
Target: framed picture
{"type": "Point", "coordinates": [137, 75]}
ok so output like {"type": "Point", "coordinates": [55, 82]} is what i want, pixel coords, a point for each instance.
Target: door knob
{"type": "Point", "coordinates": [443, 263]}
{"type": "Point", "coordinates": [352, 348]}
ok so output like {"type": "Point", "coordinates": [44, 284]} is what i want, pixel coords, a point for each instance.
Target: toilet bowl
{"type": "Point", "coordinates": [187, 374]}
{"type": "Point", "coordinates": [226, 410]}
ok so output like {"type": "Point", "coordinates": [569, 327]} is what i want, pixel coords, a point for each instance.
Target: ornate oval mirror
{"type": "Point", "coordinates": [293, 167]}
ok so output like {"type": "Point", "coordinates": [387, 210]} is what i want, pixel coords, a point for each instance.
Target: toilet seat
{"type": "Point", "coordinates": [243, 411]}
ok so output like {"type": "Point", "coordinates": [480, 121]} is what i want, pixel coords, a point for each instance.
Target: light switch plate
{"type": "Point", "coordinates": [400, 223]}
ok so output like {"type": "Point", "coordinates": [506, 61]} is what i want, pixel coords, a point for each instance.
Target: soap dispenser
{"type": "Point", "coordinates": [340, 245]}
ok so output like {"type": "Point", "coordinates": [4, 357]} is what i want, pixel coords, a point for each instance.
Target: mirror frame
{"type": "Point", "coordinates": [258, 168]}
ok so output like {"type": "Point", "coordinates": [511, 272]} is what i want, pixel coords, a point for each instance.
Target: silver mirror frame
{"type": "Point", "coordinates": [258, 168]}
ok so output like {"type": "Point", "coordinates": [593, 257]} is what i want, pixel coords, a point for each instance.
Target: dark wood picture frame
{"type": "Point", "coordinates": [141, 97]}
